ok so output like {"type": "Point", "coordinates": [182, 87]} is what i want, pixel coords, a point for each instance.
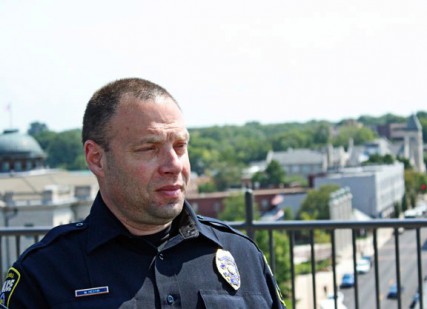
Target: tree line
{"type": "Point", "coordinates": [222, 152]}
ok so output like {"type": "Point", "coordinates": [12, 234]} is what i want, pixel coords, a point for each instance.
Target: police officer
{"type": "Point", "coordinates": [141, 246]}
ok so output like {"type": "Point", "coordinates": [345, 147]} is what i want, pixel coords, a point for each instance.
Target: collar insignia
{"type": "Point", "coordinates": [227, 268]}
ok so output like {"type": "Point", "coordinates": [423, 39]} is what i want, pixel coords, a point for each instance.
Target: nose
{"type": "Point", "coordinates": [171, 162]}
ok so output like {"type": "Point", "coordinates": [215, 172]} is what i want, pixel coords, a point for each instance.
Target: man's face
{"type": "Point", "coordinates": [147, 169]}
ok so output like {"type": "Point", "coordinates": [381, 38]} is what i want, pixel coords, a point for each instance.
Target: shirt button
{"type": "Point", "coordinates": [161, 257]}
{"type": "Point", "coordinates": [170, 299]}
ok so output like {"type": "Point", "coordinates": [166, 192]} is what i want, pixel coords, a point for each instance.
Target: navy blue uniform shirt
{"type": "Point", "coordinates": [98, 264]}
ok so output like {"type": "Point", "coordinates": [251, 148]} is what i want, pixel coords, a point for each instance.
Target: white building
{"type": "Point", "coordinates": [300, 161]}
{"type": "Point", "coordinates": [375, 189]}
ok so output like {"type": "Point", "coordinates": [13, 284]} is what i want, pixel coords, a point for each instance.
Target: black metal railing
{"type": "Point", "coordinates": [250, 226]}
{"type": "Point", "coordinates": [13, 236]}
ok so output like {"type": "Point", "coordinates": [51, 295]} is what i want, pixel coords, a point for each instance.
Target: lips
{"type": "Point", "coordinates": [170, 190]}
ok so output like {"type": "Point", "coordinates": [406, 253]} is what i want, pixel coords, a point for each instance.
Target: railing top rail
{"type": "Point", "coordinates": [26, 231]}
{"type": "Point", "coordinates": [333, 224]}
{"type": "Point", "coordinates": [268, 225]}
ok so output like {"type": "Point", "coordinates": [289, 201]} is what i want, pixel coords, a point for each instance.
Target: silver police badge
{"type": "Point", "coordinates": [227, 268]}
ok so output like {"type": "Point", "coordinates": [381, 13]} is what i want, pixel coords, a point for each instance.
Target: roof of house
{"type": "Point", "coordinates": [13, 143]}
{"type": "Point", "coordinates": [413, 124]}
{"type": "Point", "coordinates": [299, 156]}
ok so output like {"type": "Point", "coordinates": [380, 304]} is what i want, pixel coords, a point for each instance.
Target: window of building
{"type": "Point", "coordinates": [17, 166]}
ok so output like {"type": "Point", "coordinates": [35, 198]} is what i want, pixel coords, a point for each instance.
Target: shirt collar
{"type": "Point", "coordinates": [194, 227]}
{"type": "Point", "coordinates": [104, 226]}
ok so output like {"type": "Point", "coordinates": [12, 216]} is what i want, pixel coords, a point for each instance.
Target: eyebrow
{"type": "Point", "coordinates": [155, 138]}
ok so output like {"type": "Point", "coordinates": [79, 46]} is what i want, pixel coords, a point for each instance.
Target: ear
{"type": "Point", "coordinates": [94, 154]}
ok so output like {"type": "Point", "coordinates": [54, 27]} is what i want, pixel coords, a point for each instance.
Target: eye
{"type": "Point", "coordinates": [146, 148]}
{"type": "Point", "coordinates": [181, 146]}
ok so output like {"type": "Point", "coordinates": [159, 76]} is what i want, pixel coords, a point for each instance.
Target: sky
{"type": "Point", "coordinates": [225, 62]}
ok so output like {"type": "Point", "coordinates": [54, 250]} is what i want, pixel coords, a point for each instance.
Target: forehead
{"type": "Point", "coordinates": [158, 116]}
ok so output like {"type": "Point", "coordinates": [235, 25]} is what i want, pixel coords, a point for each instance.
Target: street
{"type": "Point", "coordinates": [387, 273]}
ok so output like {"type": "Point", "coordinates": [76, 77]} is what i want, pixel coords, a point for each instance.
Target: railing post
{"type": "Point", "coordinates": [397, 255]}
{"type": "Point", "coordinates": [334, 268]}
{"type": "Point", "coordinates": [291, 252]}
{"type": "Point", "coordinates": [313, 268]}
{"type": "Point", "coordinates": [420, 270]}
{"type": "Point", "coordinates": [271, 251]}
{"type": "Point", "coordinates": [356, 278]}
{"type": "Point", "coordinates": [249, 213]}
{"type": "Point", "coordinates": [1, 257]}
{"type": "Point", "coordinates": [377, 283]}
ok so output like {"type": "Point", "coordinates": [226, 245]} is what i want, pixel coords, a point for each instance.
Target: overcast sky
{"type": "Point", "coordinates": [225, 61]}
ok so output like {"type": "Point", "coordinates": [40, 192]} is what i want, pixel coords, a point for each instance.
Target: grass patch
{"type": "Point", "coordinates": [305, 267]}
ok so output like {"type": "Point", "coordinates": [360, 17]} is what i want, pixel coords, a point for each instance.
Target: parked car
{"type": "Point", "coordinates": [347, 280]}
{"type": "Point", "coordinates": [368, 258]}
{"type": "Point", "coordinates": [330, 304]}
{"type": "Point", "coordinates": [363, 266]}
{"type": "Point", "coordinates": [392, 291]}
{"type": "Point", "coordinates": [340, 296]}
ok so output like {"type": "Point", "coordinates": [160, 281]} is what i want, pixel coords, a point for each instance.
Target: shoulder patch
{"type": "Point", "coordinates": [9, 285]}
{"type": "Point", "coordinates": [53, 234]}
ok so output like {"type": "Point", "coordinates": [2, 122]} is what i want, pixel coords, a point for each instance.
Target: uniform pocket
{"type": "Point", "coordinates": [219, 300]}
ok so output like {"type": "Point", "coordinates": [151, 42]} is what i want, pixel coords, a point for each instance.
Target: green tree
{"type": "Point", "coordinates": [316, 203]}
{"type": "Point", "coordinates": [226, 176]}
{"type": "Point", "coordinates": [275, 173]}
{"type": "Point", "coordinates": [413, 186]}
{"type": "Point", "coordinates": [385, 119]}
{"type": "Point", "coordinates": [295, 138]}
{"type": "Point", "coordinates": [234, 208]}
{"type": "Point", "coordinates": [406, 164]}
{"type": "Point", "coordinates": [281, 258]}
{"type": "Point", "coordinates": [44, 138]}
{"type": "Point", "coordinates": [65, 151]}
{"type": "Point", "coordinates": [37, 128]}
{"type": "Point", "coordinates": [321, 133]}
{"type": "Point", "coordinates": [379, 159]}
{"type": "Point", "coordinates": [207, 187]}
{"type": "Point", "coordinates": [260, 178]}
{"type": "Point", "coordinates": [405, 202]}
{"type": "Point", "coordinates": [273, 176]}
{"type": "Point", "coordinates": [422, 117]}
{"type": "Point", "coordinates": [357, 134]}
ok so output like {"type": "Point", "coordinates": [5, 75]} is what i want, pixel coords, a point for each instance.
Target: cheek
{"type": "Point", "coordinates": [186, 170]}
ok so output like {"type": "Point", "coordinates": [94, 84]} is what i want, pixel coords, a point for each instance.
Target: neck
{"type": "Point", "coordinates": [143, 230]}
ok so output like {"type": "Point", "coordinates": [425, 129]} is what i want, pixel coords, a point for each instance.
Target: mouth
{"type": "Point", "coordinates": [170, 191]}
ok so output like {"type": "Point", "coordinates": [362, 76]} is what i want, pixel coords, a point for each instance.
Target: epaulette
{"type": "Point", "coordinates": [216, 223]}
{"type": "Point", "coordinates": [223, 226]}
{"type": "Point", "coordinates": [53, 234]}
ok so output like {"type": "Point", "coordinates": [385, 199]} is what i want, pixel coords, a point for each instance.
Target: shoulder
{"type": "Point", "coordinates": [54, 235]}
{"type": "Point", "coordinates": [218, 224]}
{"type": "Point", "coordinates": [223, 228]}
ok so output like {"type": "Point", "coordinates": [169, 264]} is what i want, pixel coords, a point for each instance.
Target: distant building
{"type": "Point", "coordinates": [302, 162]}
{"type": "Point", "coordinates": [375, 189]}
{"type": "Point", "coordinates": [211, 204]}
{"type": "Point", "coordinates": [33, 195]}
{"type": "Point", "coordinates": [19, 152]}
{"type": "Point", "coordinates": [26, 185]}
{"type": "Point", "coordinates": [341, 209]}
{"type": "Point", "coordinates": [406, 141]}
{"type": "Point", "coordinates": [359, 154]}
